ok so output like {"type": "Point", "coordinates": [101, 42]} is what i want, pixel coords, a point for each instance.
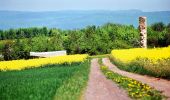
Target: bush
{"type": "Point", "coordinates": [7, 51]}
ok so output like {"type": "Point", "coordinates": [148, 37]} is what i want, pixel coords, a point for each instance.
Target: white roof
{"type": "Point", "coordinates": [48, 54]}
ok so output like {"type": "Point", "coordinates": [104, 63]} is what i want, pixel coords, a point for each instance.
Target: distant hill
{"type": "Point", "coordinates": [77, 19]}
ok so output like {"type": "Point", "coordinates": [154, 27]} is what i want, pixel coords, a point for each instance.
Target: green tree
{"type": "Point", "coordinates": [8, 51]}
{"type": "Point", "coordinates": [56, 42]}
{"type": "Point", "coordinates": [158, 26]}
{"type": "Point", "coordinates": [21, 49]}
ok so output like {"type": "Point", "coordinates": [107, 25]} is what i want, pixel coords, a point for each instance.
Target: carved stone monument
{"type": "Point", "coordinates": [143, 32]}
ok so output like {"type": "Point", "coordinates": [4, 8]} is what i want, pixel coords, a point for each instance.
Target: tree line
{"type": "Point", "coordinates": [91, 39]}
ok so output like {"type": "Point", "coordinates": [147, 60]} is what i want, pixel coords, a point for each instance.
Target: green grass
{"type": "Point", "coordinates": [135, 89]}
{"type": "Point", "coordinates": [99, 56]}
{"type": "Point", "coordinates": [58, 82]}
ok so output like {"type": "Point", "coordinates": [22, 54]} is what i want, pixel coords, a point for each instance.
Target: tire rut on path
{"type": "Point", "coordinates": [100, 88]}
{"type": "Point", "coordinates": [159, 84]}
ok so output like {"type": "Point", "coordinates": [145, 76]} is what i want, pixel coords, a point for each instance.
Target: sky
{"type": "Point", "coordinates": [55, 5]}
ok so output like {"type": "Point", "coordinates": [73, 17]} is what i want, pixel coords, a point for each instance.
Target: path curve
{"type": "Point", "coordinates": [159, 84]}
{"type": "Point", "coordinates": [100, 88]}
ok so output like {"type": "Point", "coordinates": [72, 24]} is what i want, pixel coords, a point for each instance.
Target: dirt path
{"type": "Point", "coordinates": [100, 88]}
{"type": "Point", "coordinates": [159, 84]}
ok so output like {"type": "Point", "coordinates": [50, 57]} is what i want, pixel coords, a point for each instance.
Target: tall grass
{"type": "Point", "coordinates": [50, 82]}
{"type": "Point", "coordinates": [146, 67]}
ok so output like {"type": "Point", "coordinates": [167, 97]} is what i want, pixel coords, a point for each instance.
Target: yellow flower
{"type": "Point", "coordinates": [130, 85]}
{"type": "Point", "coordinates": [128, 55]}
{"type": "Point", "coordinates": [32, 63]}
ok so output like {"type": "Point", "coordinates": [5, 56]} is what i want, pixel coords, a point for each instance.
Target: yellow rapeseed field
{"type": "Point", "coordinates": [127, 55]}
{"type": "Point", "coordinates": [31, 63]}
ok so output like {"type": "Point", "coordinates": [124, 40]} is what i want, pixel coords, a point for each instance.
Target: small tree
{"type": "Point", "coordinates": [8, 51]}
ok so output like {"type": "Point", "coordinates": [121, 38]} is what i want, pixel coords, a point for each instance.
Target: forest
{"type": "Point", "coordinates": [93, 40]}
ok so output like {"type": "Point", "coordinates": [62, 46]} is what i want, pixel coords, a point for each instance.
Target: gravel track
{"type": "Point", "coordinates": [100, 88]}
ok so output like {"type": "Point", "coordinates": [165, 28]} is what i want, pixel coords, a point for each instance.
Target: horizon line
{"type": "Point", "coordinates": [82, 10]}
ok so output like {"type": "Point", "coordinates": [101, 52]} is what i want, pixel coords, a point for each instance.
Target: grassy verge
{"type": "Point", "coordinates": [73, 87]}
{"type": "Point", "coordinates": [47, 83]}
{"type": "Point", "coordinates": [146, 67]}
{"type": "Point", "coordinates": [136, 89]}
{"type": "Point", "coordinates": [99, 56]}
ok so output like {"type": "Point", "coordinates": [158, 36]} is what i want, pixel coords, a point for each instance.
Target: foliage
{"type": "Point", "coordinates": [44, 43]}
{"type": "Point", "coordinates": [158, 26]}
{"type": "Point", "coordinates": [8, 51]}
{"type": "Point", "coordinates": [158, 35]}
{"type": "Point", "coordinates": [61, 82]}
{"type": "Point", "coordinates": [32, 63]}
{"type": "Point", "coordinates": [2, 44]}
{"type": "Point", "coordinates": [23, 33]}
{"type": "Point", "coordinates": [136, 89]}
{"type": "Point", "coordinates": [94, 40]}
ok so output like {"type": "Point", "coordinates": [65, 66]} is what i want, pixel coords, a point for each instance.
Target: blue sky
{"type": "Point", "coordinates": [53, 5]}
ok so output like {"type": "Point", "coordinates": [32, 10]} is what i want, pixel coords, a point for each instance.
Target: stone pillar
{"type": "Point", "coordinates": [143, 32]}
